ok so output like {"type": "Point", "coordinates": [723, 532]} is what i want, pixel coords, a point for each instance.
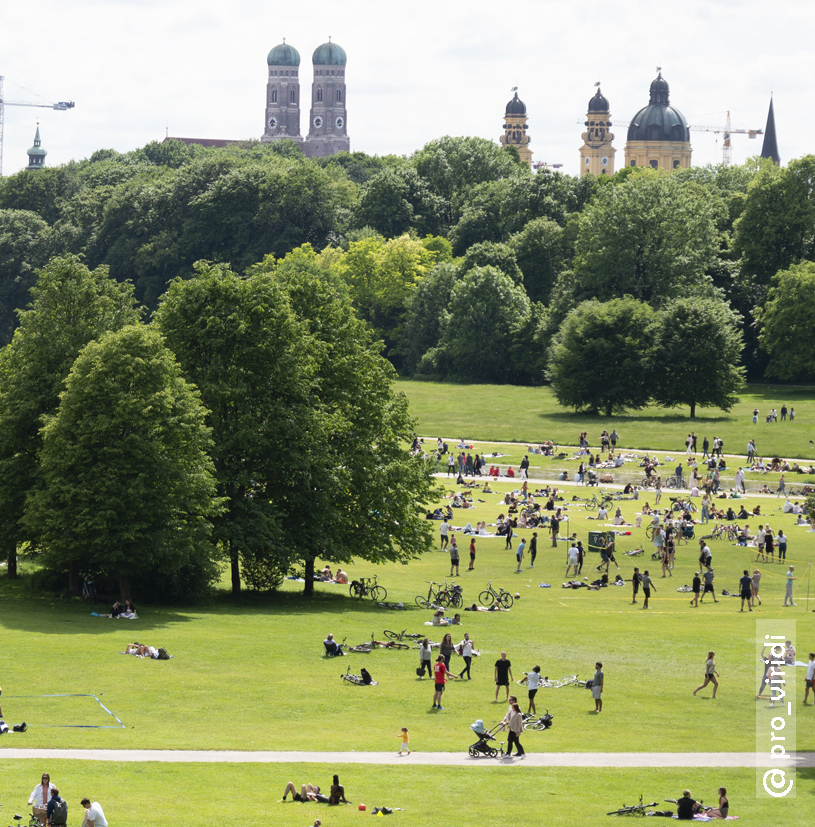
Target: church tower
{"type": "Point", "coordinates": [36, 155]}
{"type": "Point", "coordinates": [770, 147]}
{"type": "Point", "coordinates": [515, 129]}
{"type": "Point", "coordinates": [597, 153]}
{"type": "Point", "coordinates": [283, 94]}
{"type": "Point", "coordinates": [658, 135]}
{"type": "Point", "coordinates": [328, 123]}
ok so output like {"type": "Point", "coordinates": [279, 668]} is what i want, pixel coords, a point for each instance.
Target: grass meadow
{"type": "Point", "coordinates": [249, 674]}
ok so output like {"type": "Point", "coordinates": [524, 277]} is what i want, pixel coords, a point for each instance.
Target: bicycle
{"type": "Point", "coordinates": [403, 635]}
{"type": "Point", "coordinates": [357, 680]}
{"type": "Point", "coordinates": [400, 606]}
{"type": "Point", "coordinates": [88, 595]}
{"type": "Point", "coordinates": [437, 597]}
{"type": "Point", "coordinates": [539, 724]}
{"type": "Point", "coordinates": [451, 595]}
{"type": "Point", "coordinates": [490, 596]}
{"type": "Point", "coordinates": [367, 587]}
{"type": "Point", "coordinates": [554, 683]}
{"type": "Point", "coordinates": [635, 809]}
{"type": "Point", "coordinates": [635, 552]}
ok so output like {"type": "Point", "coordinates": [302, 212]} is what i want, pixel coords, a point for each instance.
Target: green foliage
{"type": "Point", "coordinates": [651, 237]}
{"type": "Point", "coordinates": [126, 482]}
{"type": "Point", "coordinates": [601, 356]}
{"type": "Point", "coordinates": [786, 323]}
{"type": "Point", "coordinates": [540, 255]}
{"type": "Point", "coordinates": [697, 352]}
{"type": "Point", "coordinates": [490, 254]}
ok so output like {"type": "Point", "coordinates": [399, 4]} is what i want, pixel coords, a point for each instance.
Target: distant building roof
{"type": "Point", "coordinates": [770, 147]}
{"type": "Point", "coordinates": [204, 141]}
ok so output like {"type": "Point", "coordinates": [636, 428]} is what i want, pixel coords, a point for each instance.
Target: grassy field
{"type": "Point", "coordinates": [518, 414]}
{"type": "Point", "coordinates": [248, 794]}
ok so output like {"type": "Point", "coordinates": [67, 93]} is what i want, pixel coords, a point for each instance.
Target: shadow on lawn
{"type": "Point", "coordinates": [634, 417]}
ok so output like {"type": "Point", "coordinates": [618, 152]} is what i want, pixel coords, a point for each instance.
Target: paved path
{"type": "Point", "coordinates": [457, 759]}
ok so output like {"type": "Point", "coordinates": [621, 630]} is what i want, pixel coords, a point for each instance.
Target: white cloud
{"type": "Point", "coordinates": [416, 70]}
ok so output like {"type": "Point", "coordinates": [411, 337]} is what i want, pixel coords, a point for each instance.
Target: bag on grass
{"type": "Point", "coordinates": [163, 654]}
{"type": "Point", "coordinates": [366, 676]}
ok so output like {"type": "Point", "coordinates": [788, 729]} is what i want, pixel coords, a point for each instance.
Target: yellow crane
{"type": "Point", "coordinates": [62, 106]}
{"type": "Point", "coordinates": [727, 131]}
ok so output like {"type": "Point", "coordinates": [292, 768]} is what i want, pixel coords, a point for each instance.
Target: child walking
{"type": "Point", "coordinates": [405, 742]}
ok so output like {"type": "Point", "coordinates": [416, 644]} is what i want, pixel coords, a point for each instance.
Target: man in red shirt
{"type": "Point", "coordinates": [440, 676]}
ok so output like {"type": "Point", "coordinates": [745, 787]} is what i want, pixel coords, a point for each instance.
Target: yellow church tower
{"type": "Point", "coordinates": [597, 153]}
{"type": "Point", "coordinates": [515, 128]}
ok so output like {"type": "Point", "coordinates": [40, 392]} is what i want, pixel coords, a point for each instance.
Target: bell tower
{"type": "Point", "coordinates": [36, 155]}
{"type": "Point", "coordinates": [515, 128]}
{"type": "Point", "coordinates": [283, 94]}
{"type": "Point", "coordinates": [597, 153]}
{"type": "Point", "coordinates": [328, 124]}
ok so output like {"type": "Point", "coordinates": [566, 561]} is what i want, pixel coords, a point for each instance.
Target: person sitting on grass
{"type": "Point", "coordinates": [337, 795]}
{"type": "Point", "coordinates": [439, 619]}
{"type": "Point", "coordinates": [687, 807]}
{"type": "Point", "coordinates": [308, 792]}
{"type": "Point", "coordinates": [340, 576]}
{"type": "Point", "coordinates": [332, 648]}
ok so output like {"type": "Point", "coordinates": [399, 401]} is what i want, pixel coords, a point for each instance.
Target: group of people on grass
{"type": "Point", "coordinates": [311, 792]}
{"type": "Point", "coordinates": [48, 807]}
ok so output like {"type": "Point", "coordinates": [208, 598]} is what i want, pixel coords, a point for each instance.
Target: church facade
{"type": "Point", "coordinates": [328, 115]}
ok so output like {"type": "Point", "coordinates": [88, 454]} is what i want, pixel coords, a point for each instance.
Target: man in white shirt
{"type": "Point", "coordinates": [602, 514]}
{"type": "Point", "coordinates": [760, 538]}
{"type": "Point", "coordinates": [533, 681]}
{"type": "Point", "coordinates": [465, 649]}
{"type": "Point", "coordinates": [444, 530]}
{"type": "Point", "coordinates": [94, 817]}
{"type": "Point", "coordinates": [787, 507]}
{"type": "Point", "coordinates": [791, 578]}
{"type": "Point", "coordinates": [739, 480]}
{"type": "Point", "coordinates": [810, 678]}
{"type": "Point", "coordinates": [573, 559]}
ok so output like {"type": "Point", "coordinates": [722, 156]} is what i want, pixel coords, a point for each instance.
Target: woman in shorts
{"type": "Point", "coordinates": [532, 681]}
{"type": "Point", "coordinates": [710, 674]}
{"type": "Point", "coordinates": [756, 580]}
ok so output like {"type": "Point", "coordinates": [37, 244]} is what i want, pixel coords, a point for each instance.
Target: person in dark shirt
{"type": "Point", "coordinates": [52, 804]}
{"type": "Point", "coordinates": [746, 586]}
{"type": "Point", "coordinates": [533, 549]}
{"type": "Point", "coordinates": [503, 674]}
{"type": "Point", "coordinates": [697, 587]}
{"type": "Point", "coordinates": [555, 526]}
{"type": "Point", "coordinates": [635, 581]}
{"type": "Point", "coordinates": [686, 806]}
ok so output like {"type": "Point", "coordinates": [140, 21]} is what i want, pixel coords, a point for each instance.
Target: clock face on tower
{"type": "Point", "coordinates": [588, 161]}
{"type": "Point", "coordinates": [318, 122]}
{"type": "Point", "coordinates": [272, 122]}
{"type": "Point", "coordinates": [604, 161]}
{"type": "Point", "coordinates": [340, 123]}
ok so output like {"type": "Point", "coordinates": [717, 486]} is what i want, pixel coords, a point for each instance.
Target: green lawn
{"type": "Point", "coordinates": [161, 794]}
{"type": "Point", "coordinates": [519, 414]}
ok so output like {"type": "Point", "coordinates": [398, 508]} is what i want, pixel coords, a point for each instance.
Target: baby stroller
{"type": "Point", "coordinates": [482, 745]}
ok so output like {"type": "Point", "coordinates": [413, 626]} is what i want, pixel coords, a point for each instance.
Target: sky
{"type": "Point", "coordinates": [416, 70]}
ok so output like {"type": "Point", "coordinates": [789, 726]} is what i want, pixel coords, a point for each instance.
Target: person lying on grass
{"type": "Point", "coordinates": [496, 607]}
{"type": "Point", "coordinates": [308, 792]}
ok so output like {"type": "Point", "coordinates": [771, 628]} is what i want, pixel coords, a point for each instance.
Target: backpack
{"type": "Point", "coordinates": [60, 813]}
{"type": "Point", "coordinates": [366, 677]}
{"type": "Point", "coordinates": [163, 654]}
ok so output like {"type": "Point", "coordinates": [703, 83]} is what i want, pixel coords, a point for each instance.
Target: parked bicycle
{"type": "Point", "coordinates": [403, 635]}
{"type": "Point", "coordinates": [539, 724]}
{"type": "Point", "coordinates": [635, 809]}
{"type": "Point", "coordinates": [88, 593]}
{"type": "Point", "coordinates": [367, 587]}
{"type": "Point", "coordinates": [439, 596]}
{"type": "Point", "coordinates": [489, 596]}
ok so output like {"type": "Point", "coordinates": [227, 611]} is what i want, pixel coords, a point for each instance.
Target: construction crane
{"type": "Point", "coordinates": [727, 148]}
{"type": "Point", "coordinates": [62, 106]}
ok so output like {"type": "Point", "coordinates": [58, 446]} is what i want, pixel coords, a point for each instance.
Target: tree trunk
{"type": "Point", "coordinates": [693, 410]}
{"type": "Point", "coordinates": [308, 588]}
{"type": "Point", "coordinates": [74, 581]}
{"type": "Point", "coordinates": [124, 586]}
{"type": "Point", "coordinates": [609, 409]}
{"type": "Point", "coordinates": [12, 560]}
{"type": "Point", "coordinates": [236, 572]}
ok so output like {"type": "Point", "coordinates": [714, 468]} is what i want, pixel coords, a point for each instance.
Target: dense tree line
{"type": "Point", "coordinates": [462, 261]}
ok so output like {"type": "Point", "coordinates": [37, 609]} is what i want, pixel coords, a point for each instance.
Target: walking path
{"type": "Point", "coordinates": [716, 760]}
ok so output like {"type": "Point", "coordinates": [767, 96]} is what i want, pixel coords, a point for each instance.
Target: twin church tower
{"type": "Point", "coordinates": [328, 117]}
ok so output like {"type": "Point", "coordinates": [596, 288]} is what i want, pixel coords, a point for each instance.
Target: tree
{"type": "Point", "coordinates": [539, 252]}
{"type": "Point", "coordinates": [237, 339]}
{"type": "Point", "coordinates": [651, 237]}
{"type": "Point", "coordinates": [357, 492]}
{"type": "Point", "coordinates": [697, 355]}
{"type": "Point", "coordinates": [127, 485]}
{"type": "Point", "coordinates": [70, 306]}
{"type": "Point", "coordinates": [785, 323]}
{"type": "Point", "coordinates": [600, 358]}
{"type": "Point", "coordinates": [490, 254]}
{"type": "Point", "coordinates": [484, 306]}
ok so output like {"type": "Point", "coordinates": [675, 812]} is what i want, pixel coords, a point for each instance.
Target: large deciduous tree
{"type": "Point", "coordinates": [600, 359]}
{"type": "Point", "coordinates": [786, 323]}
{"type": "Point", "coordinates": [70, 306]}
{"type": "Point", "coordinates": [126, 482]}
{"type": "Point", "coordinates": [697, 353]}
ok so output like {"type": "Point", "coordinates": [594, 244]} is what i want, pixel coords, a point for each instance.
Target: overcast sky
{"type": "Point", "coordinates": [416, 70]}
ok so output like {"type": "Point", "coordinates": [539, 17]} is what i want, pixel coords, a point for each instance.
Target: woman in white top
{"type": "Point", "coordinates": [533, 681]}
{"type": "Point", "coordinates": [41, 795]}
{"type": "Point", "coordinates": [710, 674]}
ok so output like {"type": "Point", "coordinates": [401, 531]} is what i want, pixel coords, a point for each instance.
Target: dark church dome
{"type": "Point", "coordinates": [329, 54]}
{"type": "Point", "coordinates": [598, 103]}
{"type": "Point", "coordinates": [659, 121]}
{"type": "Point", "coordinates": [516, 106]}
{"type": "Point", "coordinates": [283, 55]}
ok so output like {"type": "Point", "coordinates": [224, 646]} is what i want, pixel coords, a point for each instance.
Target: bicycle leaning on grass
{"type": "Point", "coordinates": [489, 596]}
{"type": "Point", "coordinates": [367, 587]}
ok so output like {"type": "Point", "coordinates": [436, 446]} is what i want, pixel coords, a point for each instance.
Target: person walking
{"type": "Point", "coordinates": [425, 658]}
{"type": "Point", "coordinates": [515, 725]}
{"type": "Point", "coordinates": [635, 582]}
{"type": "Point", "coordinates": [597, 683]}
{"type": "Point", "coordinates": [678, 473]}
{"type": "Point", "coordinates": [696, 588]}
{"type": "Point", "coordinates": [613, 437]}
{"type": "Point", "coordinates": [705, 448]}
{"type": "Point", "coordinates": [525, 468]}
{"type": "Point", "coordinates": [760, 540]}
{"type": "Point", "coordinates": [755, 581]}
{"type": "Point", "coordinates": [755, 415]}
{"type": "Point", "coordinates": [440, 677]}
{"type": "Point", "coordinates": [554, 524]}
{"type": "Point", "coordinates": [508, 543]}
{"type": "Point", "coordinates": [739, 480]}
{"type": "Point", "coordinates": [784, 412]}
{"type": "Point", "coordinates": [446, 649]}
{"type": "Point", "coordinates": [444, 531]}
{"type": "Point", "coordinates": [708, 578]}
{"type": "Point", "coordinates": [450, 464]}
{"type": "Point", "coordinates": [710, 674]}
{"type": "Point", "coordinates": [792, 414]}
{"type": "Point", "coordinates": [454, 559]}
{"type": "Point", "coordinates": [705, 556]}
{"type": "Point", "coordinates": [647, 585]}
{"type": "Point", "coordinates": [472, 554]}
{"type": "Point", "coordinates": [782, 487]}
{"type": "Point", "coordinates": [465, 649]}
{"type": "Point", "coordinates": [810, 678]}
{"type": "Point", "coordinates": [572, 559]}
{"type": "Point", "coordinates": [781, 540]}
{"type": "Point", "coordinates": [533, 549]}
{"type": "Point", "coordinates": [403, 736]}
{"type": "Point", "coordinates": [791, 578]}
{"type": "Point", "coordinates": [693, 441]}
{"type": "Point", "coordinates": [533, 682]}
{"type": "Point", "coordinates": [769, 543]}
{"type": "Point", "coordinates": [658, 490]}
{"type": "Point", "coordinates": [519, 555]}
{"type": "Point", "coordinates": [581, 556]}
{"type": "Point", "coordinates": [503, 674]}
{"type": "Point", "coordinates": [746, 590]}
{"type": "Point", "coordinates": [751, 451]}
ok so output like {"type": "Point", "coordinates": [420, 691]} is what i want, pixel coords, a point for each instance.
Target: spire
{"type": "Point", "coordinates": [36, 155]}
{"type": "Point", "coordinates": [770, 146]}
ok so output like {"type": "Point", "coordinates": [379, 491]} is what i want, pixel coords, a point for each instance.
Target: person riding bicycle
{"type": "Point", "coordinates": [332, 648]}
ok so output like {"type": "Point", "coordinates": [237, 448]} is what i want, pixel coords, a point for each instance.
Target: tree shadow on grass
{"type": "Point", "coordinates": [633, 417]}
